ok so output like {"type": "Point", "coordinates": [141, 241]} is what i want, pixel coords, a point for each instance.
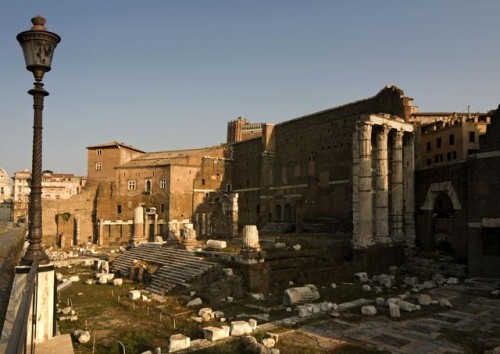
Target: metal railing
{"type": "Point", "coordinates": [18, 338]}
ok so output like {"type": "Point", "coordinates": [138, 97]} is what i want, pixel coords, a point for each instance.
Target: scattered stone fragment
{"type": "Point", "coordinates": [239, 328]}
{"type": "Point", "coordinates": [429, 284]}
{"type": "Point", "coordinates": [269, 342]}
{"type": "Point", "coordinates": [296, 247]}
{"type": "Point", "coordinates": [253, 323]}
{"type": "Point", "coordinates": [333, 286]}
{"type": "Point", "coordinates": [195, 302]}
{"type": "Point", "coordinates": [334, 314]}
{"type": "Point", "coordinates": [326, 306]}
{"type": "Point", "coordinates": [229, 299]}
{"type": "Point", "coordinates": [134, 294]}
{"type": "Point", "coordinates": [103, 280]}
{"type": "Point", "coordinates": [369, 310]}
{"type": "Point", "coordinates": [394, 310]}
{"type": "Point", "coordinates": [408, 306]}
{"type": "Point", "coordinates": [66, 310]}
{"type": "Point", "coordinates": [118, 282]}
{"type": "Point", "coordinates": [391, 300]}
{"type": "Point", "coordinates": [300, 295]}
{"type": "Point", "coordinates": [303, 311]}
{"type": "Point", "coordinates": [495, 292]}
{"type": "Point", "coordinates": [353, 304]}
{"type": "Point", "coordinates": [257, 296]}
{"type": "Point", "coordinates": [366, 287]}
{"type": "Point", "coordinates": [361, 277]}
{"type": "Point", "coordinates": [81, 336]}
{"type": "Point", "coordinates": [452, 281]}
{"type": "Point", "coordinates": [380, 301]}
{"type": "Point", "coordinates": [178, 342]}
{"type": "Point", "coordinates": [445, 303]}
{"type": "Point", "coordinates": [89, 281]}
{"type": "Point", "coordinates": [424, 299]}
{"type": "Point", "coordinates": [228, 271]}
{"type": "Point", "coordinates": [74, 278]}
{"type": "Point", "coordinates": [377, 289]}
{"type": "Point", "coordinates": [411, 281]}
{"type": "Point", "coordinates": [205, 310]}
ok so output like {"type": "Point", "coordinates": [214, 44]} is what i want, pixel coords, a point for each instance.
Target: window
{"type": "Point", "coordinates": [438, 143]}
{"type": "Point", "coordinates": [428, 146]}
{"type": "Point", "coordinates": [452, 155]}
{"type": "Point", "coordinates": [98, 152]}
{"type": "Point", "coordinates": [312, 158]}
{"type": "Point", "coordinates": [119, 209]}
{"type": "Point", "coordinates": [203, 182]}
{"type": "Point", "coordinates": [248, 183]}
{"type": "Point", "coordinates": [472, 137]}
{"type": "Point", "coordinates": [162, 208]}
{"type": "Point", "coordinates": [163, 183]}
{"type": "Point", "coordinates": [258, 209]}
{"type": "Point", "coordinates": [228, 188]}
{"type": "Point", "coordinates": [147, 186]}
{"type": "Point", "coordinates": [98, 166]}
{"type": "Point", "coordinates": [452, 139]}
{"type": "Point", "coordinates": [131, 185]}
{"type": "Point", "coordinates": [429, 162]}
{"type": "Point", "coordinates": [438, 158]}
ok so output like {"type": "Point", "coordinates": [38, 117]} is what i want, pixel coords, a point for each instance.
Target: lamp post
{"type": "Point", "coordinates": [38, 48]}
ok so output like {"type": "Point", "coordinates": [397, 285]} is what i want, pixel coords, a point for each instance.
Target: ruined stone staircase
{"type": "Point", "coordinates": [176, 267]}
{"type": "Point", "coordinates": [431, 266]}
{"type": "Point", "coordinates": [276, 228]}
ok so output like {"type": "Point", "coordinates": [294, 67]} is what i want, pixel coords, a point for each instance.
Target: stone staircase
{"type": "Point", "coordinates": [176, 267]}
{"type": "Point", "coordinates": [430, 266]}
{"type": "Point", "coordinates": [276, 228]}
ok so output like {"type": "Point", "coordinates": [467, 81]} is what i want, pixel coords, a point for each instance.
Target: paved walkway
{"type": "Point", "coordinates": [472, 326]}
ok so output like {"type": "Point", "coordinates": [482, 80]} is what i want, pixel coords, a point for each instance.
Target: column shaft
{"type": "Point", "coordinates": [365, 235]}
{"type": "Point", "coordinates": [382, 187]}
{"type": "Point", "coordinates": [409, 192]}
{"type": "Point", "coordinates": [397, 187]}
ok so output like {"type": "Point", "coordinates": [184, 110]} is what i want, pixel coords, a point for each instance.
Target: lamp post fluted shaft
{"type": "Point", "coordinates": [38, 48]}
{"type": "Point", "coordinates": [35, 250]}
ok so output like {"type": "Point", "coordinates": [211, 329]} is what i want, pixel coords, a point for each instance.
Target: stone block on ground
{"type": "Point", "coordinates": [195, 302]}
{"type": "Point", "coordinates": [408, 306]}
{"type": "Point", "coordinates": [380, 301]}
{"type": "Point", "coordinates": [368, 310]}
{"type": "Point", "coordinates": [300, 295]}
{"type": "Point", "coordinates": [394, 310]}
{"type": "Point", "coordinates": [178, 342]}
{"type": "Point", "coordinates": [269, 342]}
{"type": "Point", "coordinates": [424, 299]}
{"type": "Point", "coordinates": [445, 303]}
{"type": "Point", "coordinates": [81, 336]}
{"type": "Point", "coordinates": [214, 333]}
{"type": "Point", "coordinates": [361, 277]}
{"type": "Point", "coordinates": [240, 328]}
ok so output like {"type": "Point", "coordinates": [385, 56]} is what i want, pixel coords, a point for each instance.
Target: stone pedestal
{"type": "Point", "coordinates": [44, 298]}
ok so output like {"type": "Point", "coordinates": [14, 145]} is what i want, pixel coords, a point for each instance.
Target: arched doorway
{"type": "Point", "coordinates": [442, 223]}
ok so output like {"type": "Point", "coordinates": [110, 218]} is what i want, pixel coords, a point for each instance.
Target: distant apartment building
{"type": "Point", "coordinates": [449, 137]}
{"type": "Point", "coordinates": [55, 186]}
{"type": "Point", "coordinates": [5, 196]}
{"type": "Point", "coordinates": [4, 186]}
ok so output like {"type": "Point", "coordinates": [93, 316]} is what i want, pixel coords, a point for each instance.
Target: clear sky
{"type": "Point", "coordinates": [164, 75]}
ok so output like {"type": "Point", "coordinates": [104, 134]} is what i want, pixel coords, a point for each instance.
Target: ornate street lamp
{"type": "Point", "coordinates": [38, 47]}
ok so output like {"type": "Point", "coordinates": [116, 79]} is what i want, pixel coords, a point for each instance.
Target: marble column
{"type": "Point", "coordinates": [355, 183]}
{"type": "Point", "coordinates": [409, 191]}
{"type": "Point", "coordinates": [382, 187]}
{"type": "Point", "coordinates": [397, 187]}
{"type": "Point", "coordinates": [365, 235]}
